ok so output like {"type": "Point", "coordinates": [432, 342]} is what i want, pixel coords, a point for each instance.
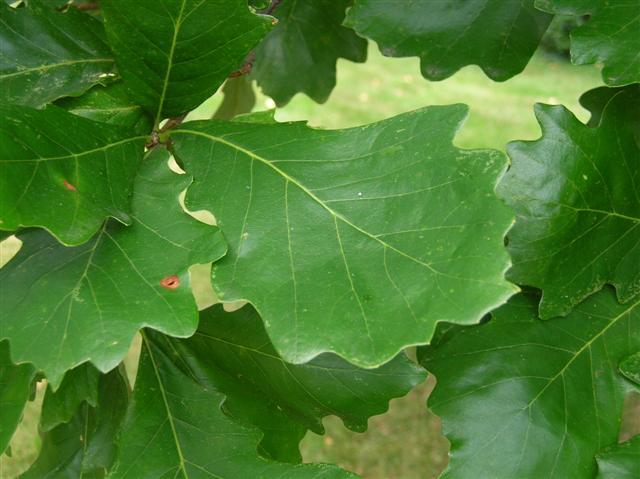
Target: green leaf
{"type": "Point", "coordinates": [576, 193]}
{"type": "Point", "coordinates": [621, 461]}
{"type": "Point", "coordinates": [300, 53]}
{"type": "Point", "coordinates": [231, 353]}
{"type": "Point", "coordinates": [174, 54]}
{"type": "Point", "coordinates": [79, 385]}
{"type": "Point", "coordinates": [595, 100]}
{"type": "Point", "coordinates": [15, 388]}
{"type": "Point", "coordinates": [177, 427]}
{"type": "Point", "coordinates": [64, 173]}
{"type": "Point", "coordinates": [63, 306]}
{"type": "Point", "coordinates": [110, 104]}
{"type": "Point", "coordinates": [84, 447]}
{"type": "Point", "coordinates": [630, 368]}
{"type": "Point", "coordinates": [352, 241]}
{"type": "Point", "coordinates": [238, 98]}
{"type": "Point", "coordinates": [609, 37]}
{"type": "Point", "coordinates": [45, 55]}
{"type": "Point", "coordinates": [499, 36]}
{"type": "Point", "coordinates": [520, 397]}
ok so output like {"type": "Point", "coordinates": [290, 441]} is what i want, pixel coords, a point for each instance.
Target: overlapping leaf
{"type": "Point", "coordinates": [231, 353]}
{"type": "Point", "coordinates": [109, 104]}
{"type": "Point", "coordinates": [45, 55]}
{"type": "Point", "coordinates": [611, 36]}
{"type": "Point", "coordinates": [621, 461]}
{"type": "Point", "coordinates": [576, 192]}
{"type": "Point", "coordinates": [238, 98]}
{"type": "Point", "coordinates": [175, 428]}
{"type": "Point", "coordinates": [63, 306]}
{"type": "Point", "coordinates": [630, 368]}
{"type": "Point", "coordinates": [85, 446]}
{"type": "Point", "coordinates": [526, 398]}
{"type": "Point", "coordinates": [15, 388]}
{"type": "Point", "coordinates": [596, 100]}
{"type": "Point", "coordinates": [353, 241]}
{"type": "Point", "coordinates": [79, 385]}
{"type": "Point", "coordinates": [173, 54]}
{"type": "Point", "coordinates": [499, 36]}
{"type": "Point", "coordinates": [300, 53]}
{"type": "Point", "coordinates": [64, 172]}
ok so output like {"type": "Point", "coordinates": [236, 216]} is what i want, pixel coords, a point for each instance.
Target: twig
{"type": "Point", "coordinates": [173, 122]}
{"type": "Point", "coordinates": [274, 4]}
{"type": "Point", "coordinates": [85, 7]}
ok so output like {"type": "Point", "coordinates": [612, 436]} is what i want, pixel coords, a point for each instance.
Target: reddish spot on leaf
{"type": "Point", "coordinates": [68, 186]}
{"type": "Point", "coordinates": [170, 282]}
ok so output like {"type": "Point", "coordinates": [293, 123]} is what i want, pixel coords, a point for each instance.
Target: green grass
{"type": "Point", "coordinates": [383, 87]}
{"type": "Point", "coordinates": [406, 443]}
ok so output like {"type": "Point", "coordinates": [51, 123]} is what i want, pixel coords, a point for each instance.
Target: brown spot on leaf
{"type": "Point", "coordinates": [170, 282]}
{"type": "Point", "coordinates": [69, 186]}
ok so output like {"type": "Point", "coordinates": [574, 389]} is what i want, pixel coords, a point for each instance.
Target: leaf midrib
{"type": "Point", "coordinates": [76, 155]}
{"type": "Point", "coordinates": [176, 30]}
{"type": "Point", "coordinates": [321, 203]}
{"type": "Point", "coordinates": [166, 405]}
{"type": "Point", "coordinates": [585, 346]}
{"type": "Point", "coordinates": [43, 68]}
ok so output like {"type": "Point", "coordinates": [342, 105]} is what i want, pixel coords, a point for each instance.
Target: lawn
{"type": "Point", "coordinates": [406, 443]}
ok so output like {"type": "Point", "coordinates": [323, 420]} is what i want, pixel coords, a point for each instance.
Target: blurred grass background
{"type": "Point", "coordinates": [405, 443]}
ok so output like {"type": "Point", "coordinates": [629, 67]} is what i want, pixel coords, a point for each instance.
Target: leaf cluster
{"type": "Point", "coordinates": [517, 276]}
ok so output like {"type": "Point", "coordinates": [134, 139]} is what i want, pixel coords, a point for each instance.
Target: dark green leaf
{"type": "Point", "coordinates": [576, 193]}
{"type": "Point", "coordinates": [63, 306]}
{"type": "Point", "coordinates": [233, 355]}
{"type": "Point", "coordinates": [595, 100]}
{"type": "Point", "coordinates": [611, 36]}
{"type": "Point", "coordinates": [84, 447]}
{"type": "Point", "coordinates": [110, 105]}
{"type": "Point", "coordinates": [621, 461]}
{"type": "Point", "coordinates": [352, 241]}
{"type": "Point", "coordinates": [300, 53]}
{"type": "Point", "coordinates": [79, 385]}
{"type": "Point", "coordinates": [15, 386]}
{"type": "Point", "coordinates": [175, 428]}
{"type": "Point", "coordinates": [630, 368]}
{"type": "Point", "coordinates": [174, 54]}
{"type": "Point", "coordinates": [45, 55]}
{"type": "Point", "coordinates": [499, 36]}
{"type": "Point", "coordinates": [64, 173]}
{"type": "Point", "coordinates": [525, 398]}
{"type": "Point", "coordinates": [238, 98]}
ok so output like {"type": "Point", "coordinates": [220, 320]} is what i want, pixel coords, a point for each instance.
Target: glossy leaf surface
{"type": "Point", "coordinates": [300, 53]}
{"type": "Point", "coordinates": [15, 387]}
{"type": "Point", "coordinates": [64, 173]}
{"type": "Point", "coordinates": [621, 461]}
{"type": "Point", "coordinates": [45, 55]}
{"type": "Point", "coordinates": [377, 232]}
{"type": "Point", "coordinates": [611, 36]}
{"type": "Point", "coordinates": [499, 36]}
{"type": "Point", "coordinates": [110, 104]}
{"type": "Point", "coordinates": [176, 428]}
{"type": "Point", "coordinates": [232, 353]}
{"type": "Point", "coordinates": [84, 447]}
{"type": "Point", "coordinates": [174, 54]}
{"type": "Point", "coordinates": [526, 398]}
{"type": "Point", "coordinates": [63, 306]}
{"type": "Point", "coordinates": [576, 193]}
